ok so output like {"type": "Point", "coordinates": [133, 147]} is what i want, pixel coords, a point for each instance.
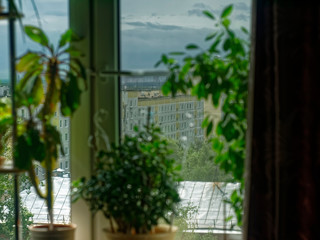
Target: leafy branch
{"type": "Point", "coordinates": [220, 74]}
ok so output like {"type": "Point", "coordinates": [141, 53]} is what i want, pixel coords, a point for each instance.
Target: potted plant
{"type": "Point", "coordinates": [134, 185]}
{"type": "Point", "coordinates": [52, 80]}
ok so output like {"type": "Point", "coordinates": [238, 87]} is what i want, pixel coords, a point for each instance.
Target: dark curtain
{"type": "Point", "coordinates": [283, 164]}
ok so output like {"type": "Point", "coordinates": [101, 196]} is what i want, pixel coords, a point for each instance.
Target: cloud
{"type": "Point", "coordinates": [153, 25]}
{"type": "Point", "coordinates": [196, 12]}
{"type": "Point", "coordinates": [201, 5]}
{"type": "Point", "coordinates": [242, 17]}
{"type": "Point", "coordinates": [199, 8]}
{"type": "Point", "coordinates": [142, 48]}
{"type": "Point", "coordinates": [242, 6]}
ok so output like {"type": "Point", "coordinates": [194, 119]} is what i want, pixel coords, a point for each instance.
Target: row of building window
{"type": "Point", "coordinates": [65, 123]}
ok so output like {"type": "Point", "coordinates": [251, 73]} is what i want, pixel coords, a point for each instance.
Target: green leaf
{"type": "Point", "coordinates": [211, 36]}
{"type": "Point", "coordinates": [227, 44]}
{"type": "Point", "coordinates": [226, 22]}
{"type": "Point", "coordinates": [26, 61]}
{"type": "Point", "coordinates": [37, 146]}
{"type": "Point", "coordinates": [216, 96]}
{"type": "Point", "coordinates": [29, 76]}
{"type": "Point", "coordinates": [73, 52]}
{"type": "Point", "coordinates": [192, 46]}
{"type": "Point", "coordinates": [209, 14]}
{"type": "Point", "coordinates": [83, 74]}
{"type": "Point", "coordinates": [37, 35]}
{"type": "Point", "coordinates": [158, 63]}
{"type": "Point", "coordinates": [164, 59]}
{"type": "Point", "coordinates": [64, 107]}
{"type": "Point", "coordinates": [22, 154]}
{"type": "Point", "coordinates": [73, 93]}
{"type": "Point", "coordinates": [213, 47]}
{"type": "Point", "coordinates": [217, 145]}
{"type": "Point", "coordinates": [37, 92]}
{"type": "Point", "coordinates": [176, 53]}
{"type": "Point", "coordinates": [243, 29]}
{"type": "Point", "coordinates": [209, 128]}
{"type": "Point", "coordinates": [166, 88]}
{"type": "Point", "coordinates": [205, 122]}
{"type": "Point", "coordinates": [227, 11]}
{"type": "Point", "coordinates": [65, 38]}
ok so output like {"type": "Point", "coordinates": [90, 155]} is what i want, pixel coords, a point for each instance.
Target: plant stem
{"type": "Point", "coordinates": [49, 193]}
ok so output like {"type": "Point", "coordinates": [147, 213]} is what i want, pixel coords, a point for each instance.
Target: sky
{"type": "Point", "coordinates": [148, 27]}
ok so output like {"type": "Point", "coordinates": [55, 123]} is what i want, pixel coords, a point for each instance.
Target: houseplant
{"type": "Point", "coordinates": [52, 80]}
{"type": "Point", "coordinates": [134, 185]}
{"type": "Point", "coordinates": [220, 74]}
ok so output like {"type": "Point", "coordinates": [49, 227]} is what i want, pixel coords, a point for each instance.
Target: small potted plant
{"type": "Point", "coordinates": [52, 80]}
{"type": "Point", "coordinates": [135, 186]}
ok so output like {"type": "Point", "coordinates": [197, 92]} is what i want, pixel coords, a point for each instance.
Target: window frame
{"type": "Point", "coordinates": [101, 46]}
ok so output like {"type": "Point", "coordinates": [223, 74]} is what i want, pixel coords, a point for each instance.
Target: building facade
{"type": "Point", "coordinates": [179, 118]}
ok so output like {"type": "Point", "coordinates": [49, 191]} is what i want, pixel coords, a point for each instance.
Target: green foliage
{"type": "Point", "coordinates": [197, 162]}
{"type": "Point", "coordinates": [5, 126]}
{"type": "Point", "coordinates": [64, 78]}
{"type": "Point", "coordinates": [7, 209]}
{"type": "Point", "coordinates": [186, 224]}
{"type": "Point", "coordinates": [135, 183]}
{"type": "Point", "coordinates": [219, 73]}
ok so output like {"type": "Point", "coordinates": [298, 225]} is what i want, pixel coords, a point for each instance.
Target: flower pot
{"type": "Point", "coordinates": [60, 232]}
{"type": "Point", "coordinates": [161, 232]}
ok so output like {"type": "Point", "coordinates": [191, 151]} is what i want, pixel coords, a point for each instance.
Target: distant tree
{"type": "Point", "coordinates": [7, 208]}
{"type": "Point", "coordinates": [197, 160]}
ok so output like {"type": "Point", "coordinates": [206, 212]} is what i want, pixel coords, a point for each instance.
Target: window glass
{"type": "Point", "coordinates": [54, 21]}
{"type": "Point", "coordinates": [149, 29]}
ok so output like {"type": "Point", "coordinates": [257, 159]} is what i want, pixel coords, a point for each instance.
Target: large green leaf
{"type": "Point", "coordinates": [227, 11]}
{"type": "Point", "coordinates": [22, 154]}
{"type": "Point", "coordinates": [192, 46]}
{"type": "Point", "coordinates": [26, 61]}
{"type": "Point", "coordinates": [65, 38]}
{"type": "Point", "coordinates": [37, 145]}
{"type": "Point", "coordinates": [73, 93]}
{"type": "Point", "coordinates": [37, 35]}
{"type": "Point", "coordinates": [37, 93]}
{"type": "Point", "coordinates": [209, 14]}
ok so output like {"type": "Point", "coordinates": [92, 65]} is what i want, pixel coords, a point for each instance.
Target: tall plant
{"type": "Point", "coordinates": [218, 73]}
{"type": "Point", "coordinates": [52, 80]}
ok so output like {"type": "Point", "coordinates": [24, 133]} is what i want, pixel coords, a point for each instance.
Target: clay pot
{"type": "Point", "coordinates": [60, 232]}
{"type": "Point", "coordinates": [161, 232]}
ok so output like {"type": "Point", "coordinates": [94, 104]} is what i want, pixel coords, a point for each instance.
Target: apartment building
{"type": "Point", "coordinates": [179, 118]}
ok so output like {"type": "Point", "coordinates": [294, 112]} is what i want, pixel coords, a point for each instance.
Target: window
{"type": "Point", "coordinates": [66, 136]}
{"type": "Point", "coordinates": [65, 123]}
{"type": "Point", "coordinates": [54, 20]}
{"type": "Point", "coordinates": [148, 29]}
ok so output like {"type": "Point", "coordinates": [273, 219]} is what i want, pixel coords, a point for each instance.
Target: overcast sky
{"type": "Point", "coordinates": [149, 27]}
